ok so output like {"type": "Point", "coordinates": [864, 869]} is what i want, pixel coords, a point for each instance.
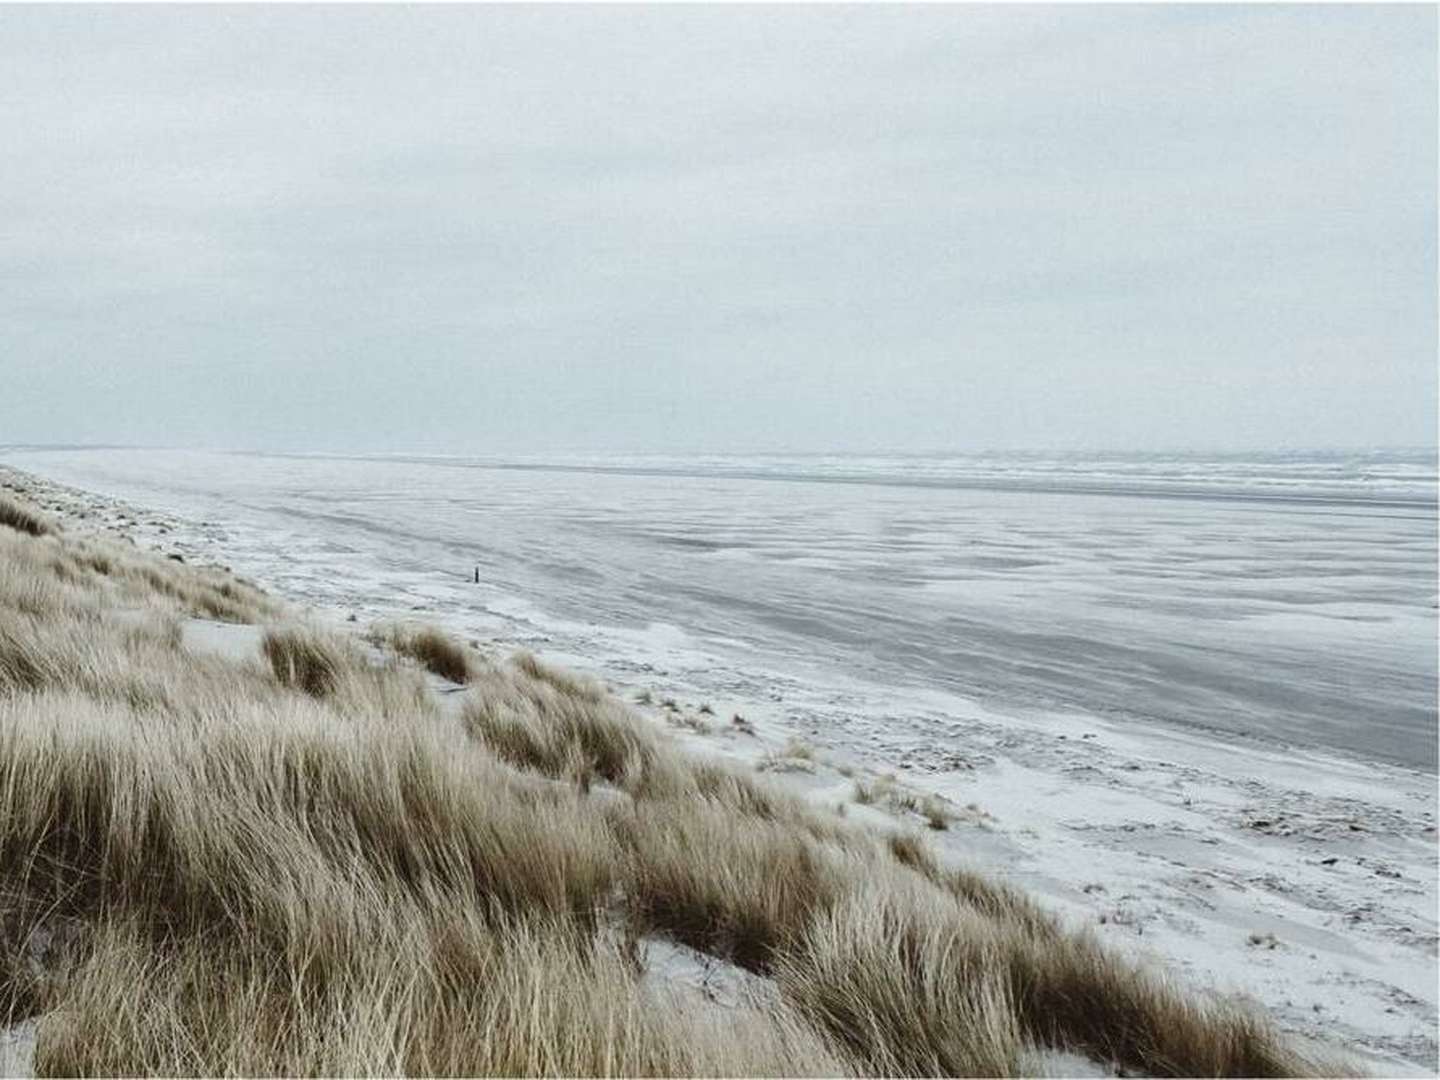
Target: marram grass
{"type": "Point", "coordinates": [301, 863]}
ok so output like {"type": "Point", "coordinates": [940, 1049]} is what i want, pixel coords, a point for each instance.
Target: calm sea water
{"type": "Point", "coordinates": [1291, 596]}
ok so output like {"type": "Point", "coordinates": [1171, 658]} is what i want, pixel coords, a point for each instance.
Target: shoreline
{"type": "Point", "coordinates": [1306, 880]}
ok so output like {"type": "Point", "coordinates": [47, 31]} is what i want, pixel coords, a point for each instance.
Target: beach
{"type": "Point", "coordinates": [1203, 725]}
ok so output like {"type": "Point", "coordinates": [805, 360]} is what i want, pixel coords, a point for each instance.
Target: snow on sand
{"type": "Point", "coordinates": [1305, 880]}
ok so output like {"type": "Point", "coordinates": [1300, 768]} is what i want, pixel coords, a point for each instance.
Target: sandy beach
{"type": "Point", "coordinates": [720, 540]}
{"type": "Point", "coordinates": [1303, 879]}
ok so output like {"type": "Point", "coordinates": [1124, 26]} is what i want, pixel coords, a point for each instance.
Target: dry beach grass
{"type": "Point", "coordinates": [304, 862]}
{"type": "Point", "coordinates": [433, 649]}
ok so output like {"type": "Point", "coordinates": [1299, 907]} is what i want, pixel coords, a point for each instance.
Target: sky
{"type": "Point", "coordinates": [718, 229]}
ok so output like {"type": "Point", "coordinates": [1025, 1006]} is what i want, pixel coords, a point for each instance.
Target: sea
{"type": "Point", "coordinates": [1288, 597]}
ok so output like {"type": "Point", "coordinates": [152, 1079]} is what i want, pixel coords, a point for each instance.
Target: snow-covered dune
{"type": "Point", "coordinates": [1201, 722]}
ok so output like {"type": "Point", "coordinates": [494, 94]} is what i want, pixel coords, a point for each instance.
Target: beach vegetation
{"type": "Point", "coordinates": [296, 861]}
{"type": "Point", "coordinates": [22, 519]}
{"type": "Point", "coordinates": [436, 651]}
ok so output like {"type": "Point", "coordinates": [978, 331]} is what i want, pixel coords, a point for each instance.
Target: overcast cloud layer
{"type": "Point", "coordinates": [722, 229]}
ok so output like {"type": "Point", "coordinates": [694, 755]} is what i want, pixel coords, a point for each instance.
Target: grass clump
{"type": "Point", "coordinates": [23, 519]}
{"type": "Point", "coordinates": [912, 986]}
{"type": "Point", "coordinates": [795, 756]}
{"type": "Point", "coordinates": [306, 659]}
{"type": "Point", "coordinates": [798, 749]}
{"type": "Point", "coordinates": [888, 793]}
{"type": "Point", "coordinates": [936, 814]}
{"type": "Point", "coordinates": [535, 717]}
{"type": "Point", "coordinates": [436, 651]}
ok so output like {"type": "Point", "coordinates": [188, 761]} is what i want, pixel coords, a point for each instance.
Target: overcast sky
{"type": "Point", "coordinates": [492, 229]}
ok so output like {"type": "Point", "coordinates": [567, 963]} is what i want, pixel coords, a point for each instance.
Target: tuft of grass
{"type": "Point", "coordinates": [911, 986]}
{"type": "Point", "coordinates": [697, 724]}
{"type": "Point", "coordinates": [746, 899]}
{"type": "Point", "coordinates": [23, 519]}
{"type": "Point", "coordinates": [909, 850]}
{"type": "Point", "coordinates": [937, 815]}
{"type": "Point", "coordinates": [307, 660]}
{"type": "Point", "coordinates": [435, 650]}
{"type": "Point", "coordinates": [898, 800]}
{"type": "Point", "coordinates": [798, 748]}
{"type": "Point", "coordinates": [796, 756]}
{"type": "Point", "coordinates": [534, 717]}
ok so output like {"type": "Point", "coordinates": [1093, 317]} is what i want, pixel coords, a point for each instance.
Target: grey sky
{"type": "Point", "coordinates": [723, 229]}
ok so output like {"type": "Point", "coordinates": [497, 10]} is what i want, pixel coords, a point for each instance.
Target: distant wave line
{"type": "Point", "coordinates": [1018, 485]}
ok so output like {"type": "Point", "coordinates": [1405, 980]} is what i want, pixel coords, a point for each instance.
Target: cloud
{"type": "Point", "coordinates": [508, 228]}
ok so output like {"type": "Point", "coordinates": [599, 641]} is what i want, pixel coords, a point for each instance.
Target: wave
{"type": "Point", "coordinates": [1392, 479]}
